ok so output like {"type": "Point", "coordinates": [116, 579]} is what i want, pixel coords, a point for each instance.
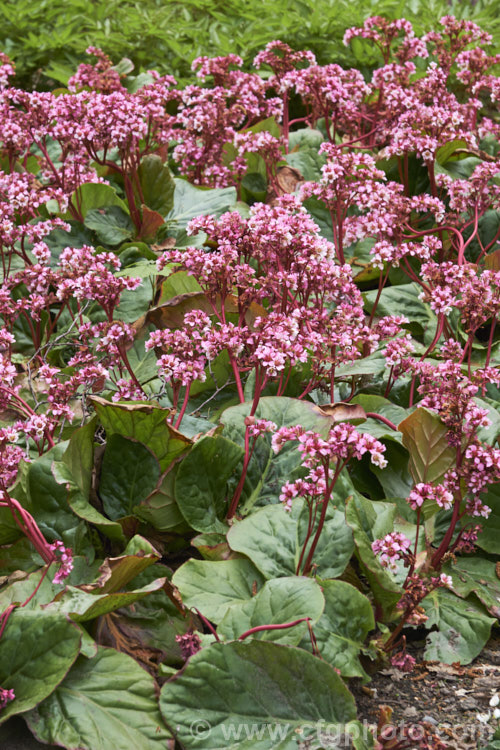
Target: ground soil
{"type": "Point", "coordinates": [445, 699]}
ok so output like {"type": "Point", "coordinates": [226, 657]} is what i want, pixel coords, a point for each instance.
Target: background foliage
{"type": "Point", "coordinates": [47, 39]}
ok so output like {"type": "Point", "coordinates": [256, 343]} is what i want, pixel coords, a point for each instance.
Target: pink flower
{"type": "Point", "coordinates": [65, 556]}
{"type": "Point", "coordinates": [6, 696]}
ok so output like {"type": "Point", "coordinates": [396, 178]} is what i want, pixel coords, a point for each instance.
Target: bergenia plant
{"type": "Point", "coordinates": [250, 386]}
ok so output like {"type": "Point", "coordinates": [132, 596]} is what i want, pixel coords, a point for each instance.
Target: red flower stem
{"type": "Point", "coordinates": [207, 624]}
{"type": "Point", "coordinates": [260, 628]}
{"type": "Point", "coordinates": [4, 617]}
{"type": "Point", "coordinates": [123, 355]}
{"type": "Point", "coordinates": [380, 418]}
{"type": "Point", "coordinates": [239, 489]}
{"type": "Point", "coordinates": [321, 522]}
{"type": "Point", "coordinates": [183, 408]}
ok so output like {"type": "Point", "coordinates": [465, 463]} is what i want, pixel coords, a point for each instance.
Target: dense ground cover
{"type": "Point", "coordinates": [250, 390]}
{"type": "Point", "coordinates": [47, 39]}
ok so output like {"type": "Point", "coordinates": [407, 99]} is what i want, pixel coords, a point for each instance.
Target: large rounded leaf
{"type": "Point", "coordinates": [463, 627]}
{"type": "Point", "coordinates": [425, 437]}
{"type": "Point", "coordinates": [273, 539]}
{"type": "Point", "coordinates": [212, 587]}
{"type": "Point", "coordinates": [254, 696]}
{"type": "Point", "coordinates": [386, 591]}
{"type": "Point", "coordinates": [201, 485]}
{"type": "Point", "coordinates": [130, 472]}
{"type": "Point", "coordinates": [479, 576]}
{"type": "Point", "coordinates": [267, 471]}
{"type": "Point", "coordinates": [145, 423]}
{"type": "Point", "coordinates": [37, 650]}
{"type": "Point", "coordinates": [190, 201]}
{"type": "Point", "coordinates": [105, 702]}
{"type": "Point", "coordinates": [282, 600]}
{"type": "Point", "coordinates": [489, 538]}
{"type": "Point", "coordinates": [342, 629]}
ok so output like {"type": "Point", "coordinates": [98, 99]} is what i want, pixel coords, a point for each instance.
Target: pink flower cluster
{"type": "Point", "coordinates": [324, 457]}
{"type": "Point", "coordinates": [65, 556]}
{"type": "Point", "coordinates": [392, 548]}
{"type": "Point", "coordinates": [6, 696]}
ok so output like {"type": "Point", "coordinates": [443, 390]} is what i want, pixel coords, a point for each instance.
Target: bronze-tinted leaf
{"type": "Point", "coordinates": [425, 437]}
{"type": "Point", "coordinates": [343, 412]}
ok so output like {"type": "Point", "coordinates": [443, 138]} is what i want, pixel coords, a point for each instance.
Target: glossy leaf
{"type": "Point", "coordinates": [145, 423]}
{"type": "Point", "coordinates": [111, 225]}
{"type": "Point", "coordinates": [385, 590]}
{"type": "Point", "coordinates": [463, 628]}
{"type": "Point", "coordinates": [425, 437]}
{"type": "Point", "coordinates": [273, 539]}
{"type": "Point", "coordinates": [256, 685]}
{"type": "Point", "coordinates": [109, 698]}
{"type": "Point", "coordinates": [212, 587]}
{"type": "Point", "coordinates": [342, 629]}
{"type": "Point", "coordinates": [281, 600]}
{"type": "Point", "coordinates": [201, 486]}
{"type": "Point", "coordinates": [479, 576]}
{"type": "Point", "coordinates": [130, 472]}
{"type": "Point", "coordinates": [37, 649]}
{"type": "Point", "coordinates": [157, 184]}
{"type": "Point", "coordinates": [190, 201]}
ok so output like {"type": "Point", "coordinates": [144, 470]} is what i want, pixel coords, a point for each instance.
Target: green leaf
{"type": "Point", "coordinates": [112, 224]}
{"type": "Point", "coordinates": [273, 539]}
{"type": "Point", "coordinates": [201, 484]}
{"type": "Point", "coordinates": [37, 650]}
{"type": "Point", "coordinates": [157, 184]}
{"type": "Point", "coordinates": [321, 216]}
{"type": "Point", "coordinates": [385, 590]}
{"type": "Point", "coordinates": [82, 606]}
{"type": "Point", "coordinates": [425, 437]}
{"type": "Point", "coordinates": [160, 508]}
{"type": "Point", "coordinates": [129, 474]}
{"type": "Point", "coordinates": [145, 423]}
{"type": "Point", "coordinates": [48, 502]}
{"type": "Point", "coordinates": [280, 601]}
{"type": "Point", "coordinates": [155, 621]}
{"type": "Point", "coordinates": [258, 687]}
{"type": "Point", "coordinates": [81, 506]}
{"type": "Point", "coordinates": [395, 478]}
{"type": "Point", "coordinates": [212, 587]}
{"type": "Point", "coordinates": [489, 538]}
{"type": "Point", "coordinates": [267, 471]}
{"type": "Point", "coordinates": [374, 364]}
{"type": "Point", "coordinates": [107, 699]}
{"type": "Point", "coordinates": [19, 591]}
{"type": "Point", "coordinates": [116, 572]}
{"type": "Point", "coordinates": [74, 471]}
{"type": "Point", "coordinates": [335, 545]}
{"type": "Point", "coordinates": [308, 162]}
{"type": "Point", "coordinates": [269, 125]}
{"type": "Point", "coordinates": [463, 628]}
{"type": "Point", "coordinates": [95, 195]}
{"type": "Point", "coordinates": [305, 138]}
{"type": "Point", "coordinates": [384, 407]}
{"type": "Point", "coordinates": [460, 169]}
{"type": "Point", "coordinates": [190, 201]}
{"type": "Point", "coordinates": [444, 153]}
{"type": "Point", "coordinates": [342, 629]}
{"type": "Point", "coordinates": [134, 303]}
{"type": "Point", "coordinates": [176, 284]}
{"type": "Point", "coordinates": [403, 300]}
{"type": "Point", "coordinates": [479, 576]}
{"type": "Point", "coordinates": [489, 434]}
{"type": "Point", "coordinates": [255, 187]}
